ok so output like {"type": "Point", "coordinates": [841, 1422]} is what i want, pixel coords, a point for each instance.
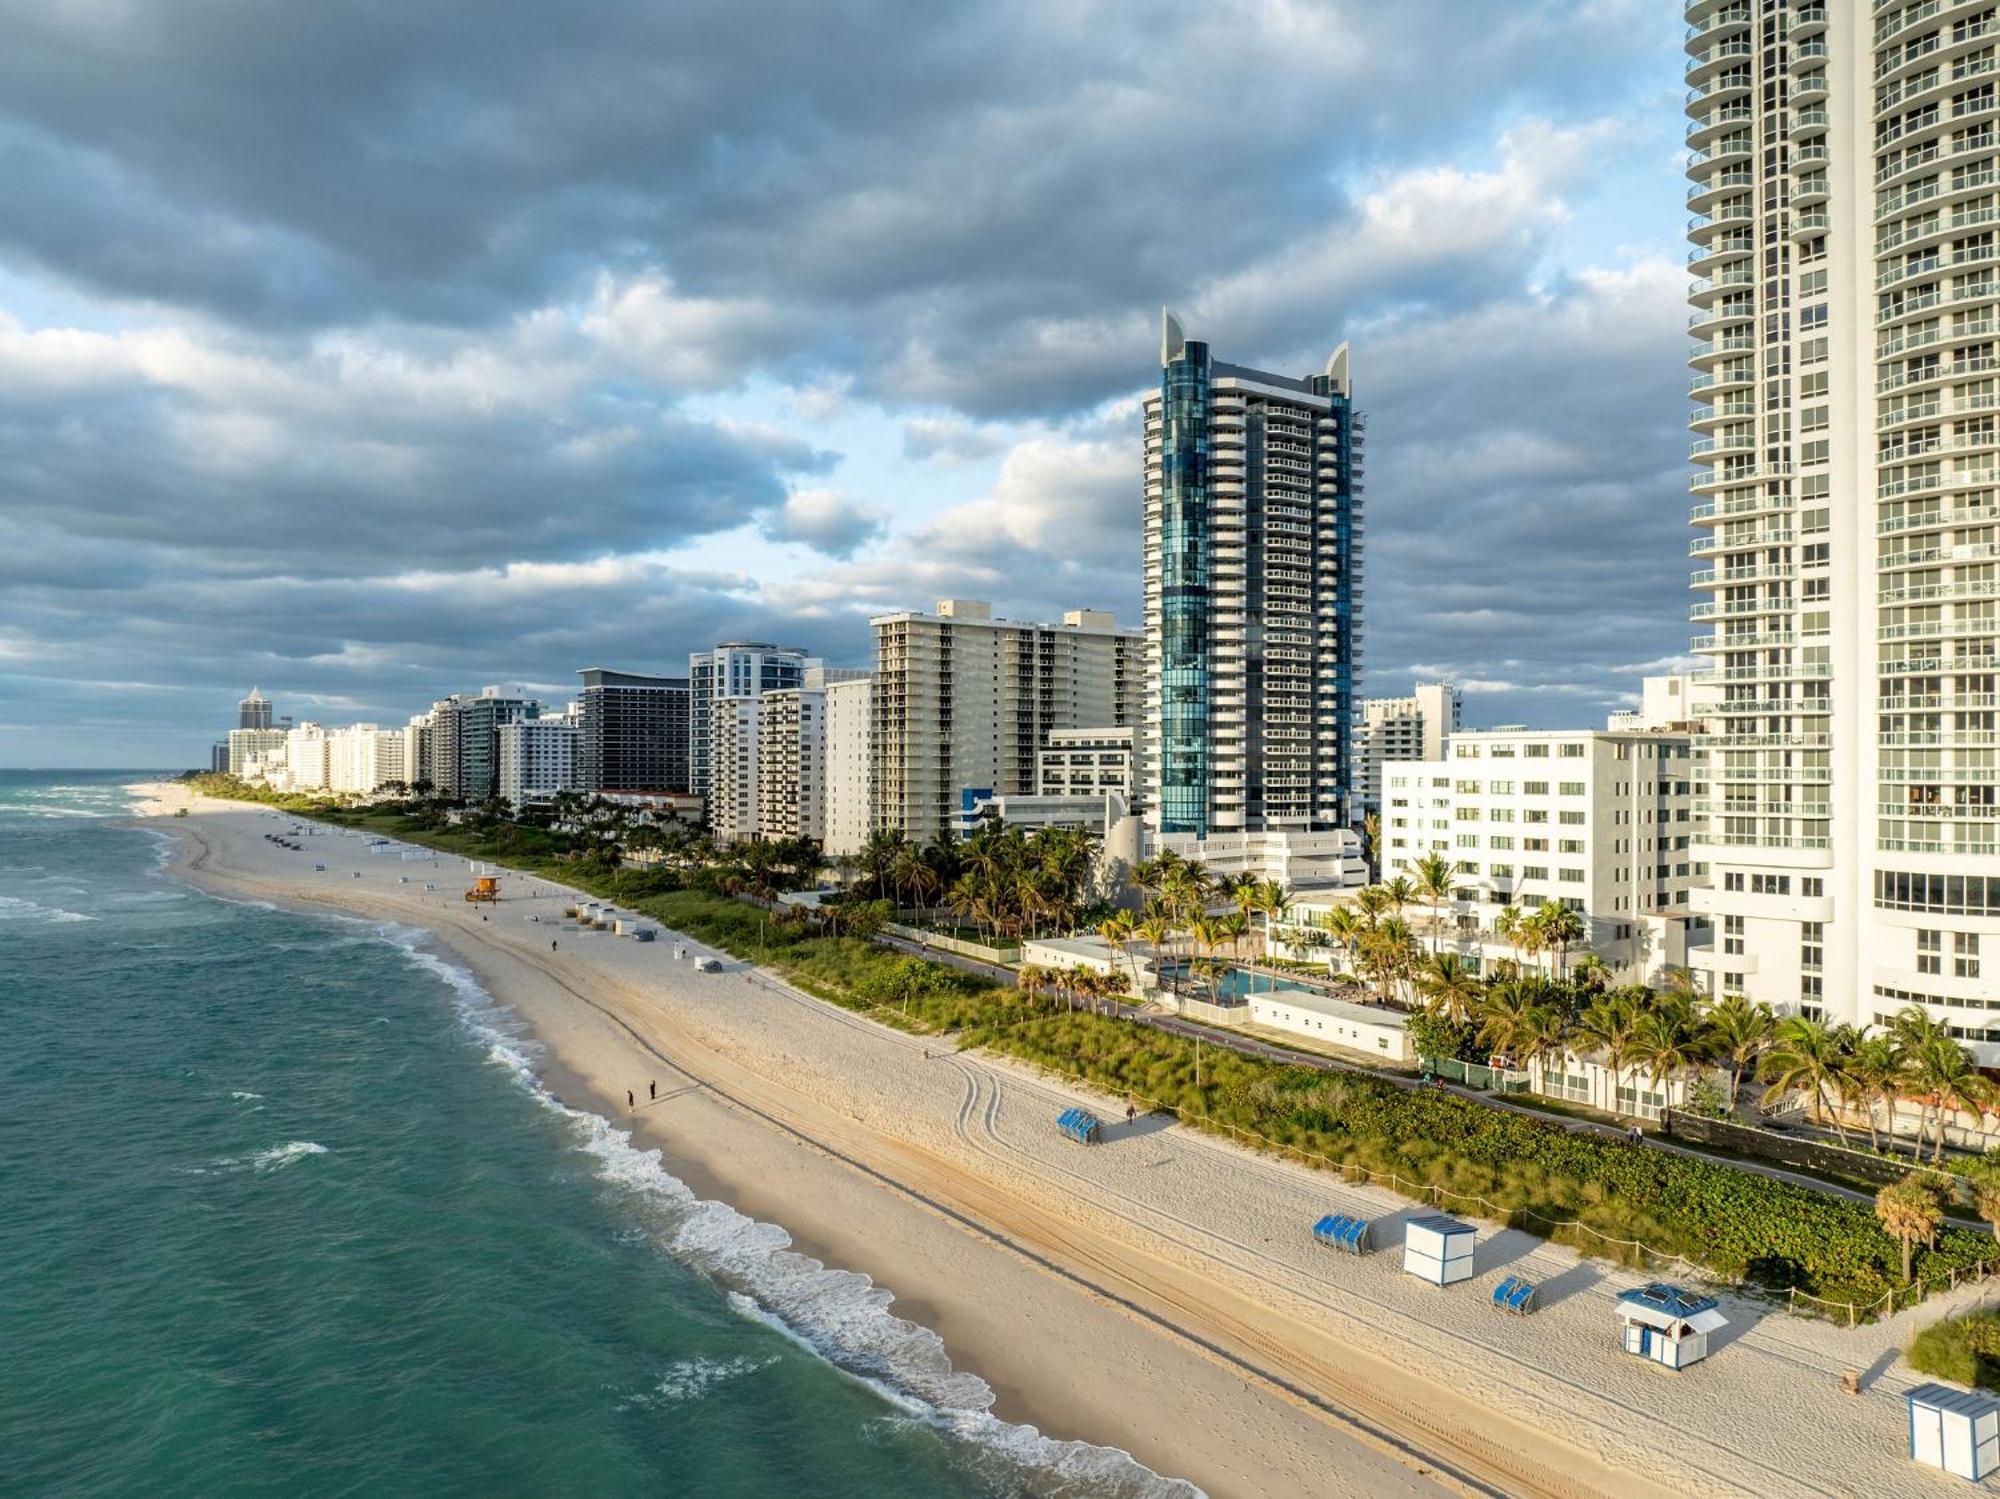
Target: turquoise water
{"type": "Point", "coordinates": [284, 1211]}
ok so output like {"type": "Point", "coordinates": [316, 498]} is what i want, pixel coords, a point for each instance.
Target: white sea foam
{"type": "Point", "coordinates": [15, 908]}
{"type": "Point", "coordinates": [839, 1316]}
{"type": "Point", "coordinates": [243, 1096]}
{"type": "Point", "coordinates": [263, 1162]}
{"type": "Point", "coordinates": [687, 1380]}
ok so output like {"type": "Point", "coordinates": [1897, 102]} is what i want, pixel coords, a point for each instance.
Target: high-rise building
{"type": "Point", "coordinates": [463, 760]}
{"type": "Point", "coordinates": [791, 763]}
{"type": "Point", "coordinates": [246, 742]}
{"type": "Point", "coordinates": [1401, 728]}
{"type": "Point", "coordinates": [307, 757]}
{"type": "Point", "coordinates": [634, 732]}
{"type": "Point", "coordinates": [736, 668]}
{"type": "Point", "coordinates": [1847, 494]}
{"type": "Point", "coordinates": [1253, 595]}
{"type": "Point", "coordinates": [1086, 762]}
{"type": "Point", "coordinates": [733, 769]}
{"type": "Point", "coordinates": [963, 700]}
{"type": "Point", "coordinates": [254, 711]}
{"type": "Point", "coordinates": [849, 797]}
{"type": "Point", "coordinates": [540, 758]}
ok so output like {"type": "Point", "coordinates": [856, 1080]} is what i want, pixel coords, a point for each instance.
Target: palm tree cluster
{"type": "Point", "coordinates": [1000, 881]}
{"type": "Point", "coordinates": [1672, 1035]}
{"type": "Point", "coordinates": [1074, 985]}
{"type": "Point", "coordinates": [1186, 903]}
{"type": "Point", "coordinates": [1914, 1059]}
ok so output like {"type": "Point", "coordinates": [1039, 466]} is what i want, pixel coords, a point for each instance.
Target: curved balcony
{"type": "Point", "coordinates": [1718, 23]}
{"type": "Point", "coordinates": [1707, 449]}
{"type": "Point", "coordinates": [1724, 52]}
{"type": "Point", "coordinates": [1716, 412]}
{"type": "Point", "coordinates": [1806, 52]}
{"type": "Point", "coordinates": [1712, 318]}
{"type": "Point", "coordinates": [1722, 89]}
{"type": "Point", "coordinates": [1706, 126]}
{"type": "Point", "coordinates": [1809, 88]}
{"type": "Point", "coordinates": [1812, 153]}
{"type": "Point", "coordinates": [1809, 191]}
{"type": "Point", "coordinates": [1704, 354]}
{"type": "Point", "coordinates": [1722, 283]}
{"type": "Point", "coordinates": [1720, 252]}
{"type": "Point", "coordinates": [1808, 20]}
{"type": "Point", "coordinates": [1719, 380]}
{"type": "Point", "coordinates": [1724, 217]}
{"type": "Point", "coordinates": [1808, 122]}
{"type": "Point", "coordinates": [1805, 225]}
{"type": "Point", "coordinates": [1719, 184]}
{"type": "Point", "coordinates": [1729, 151]}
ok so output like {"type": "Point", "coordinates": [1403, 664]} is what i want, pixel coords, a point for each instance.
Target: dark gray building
{"type": "Point", "coordinates": [635, 732]}
{"type": "Point", "coordinates": [254, 711]}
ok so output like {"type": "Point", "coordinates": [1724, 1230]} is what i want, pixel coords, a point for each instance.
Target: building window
{"type": "Point", "coordinates": [1930, 952]}
{"type": "Point", "coordinates": [1965, 955]}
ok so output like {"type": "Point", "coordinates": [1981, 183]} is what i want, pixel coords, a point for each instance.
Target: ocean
{"type": "Point", "coordinates": [284, 1210]}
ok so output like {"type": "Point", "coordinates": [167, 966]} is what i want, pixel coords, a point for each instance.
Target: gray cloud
{"type": "Point", "coordinates": [402, 318]}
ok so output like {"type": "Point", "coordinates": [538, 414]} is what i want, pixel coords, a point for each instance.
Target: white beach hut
{"type": "Point", "coordinates": [1438, 1249]}
{"type": "Point", "coordinates": [1667, 1324]}
{"type": "Point", "coordinates": [1954, 1430]}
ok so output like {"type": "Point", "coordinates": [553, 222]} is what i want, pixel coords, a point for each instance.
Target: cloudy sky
{"type": "Point", "coordinates": [376, 349]}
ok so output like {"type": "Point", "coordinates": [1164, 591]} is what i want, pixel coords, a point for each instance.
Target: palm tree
{"type": "Point", "coordinates": [1561, 928]}
{"type": "Point", "coordinates": [1031, 979]}
{"type": "Point", "coordinates": [1910, 1210]}
{"type": "Point", "coordinates": [1609, 1024]}
{"type": "Point", "coordinates": [1982, 1175]}
{"type": "Point", "coordinates": [1504, 1018]}
{"type": "Point", "coordinates": [1371, 840]}
{"type": "Point", "coordinates": [1944, 1073]}
{"type": "Point", "coordinates": [1807, 1056]}
{"type": "Point", "coordinates": [1399, 892]}
{"type": "Point", "coordinates": [1665, 1045]}
{"type": "Point", "coordinates": [1507, 927]}
{"type": "Point", "coordinates": [1592, 972]}
{"type": "Point", "coordinates": [1117, 930]}
{"type": "Point", "coordinates": [1739, 1031]}
{"type": "Point", "coordinates": [1371, 901]}
{"type": "Point", "coordinates": [1273, 900]}
{"type": "Point", "coordinates": [1435, 877]}
{"type": "Point", "coordinates": [1157, 931]}
{"type": "Point", "coordinates": [1388, 952]}
{"type": "Point", "coordinates": [1875, 1073]}
{"type": "Point", "coordinates": [1344, 925]}
{"type": "Point", "coordinates": [1449, 988]}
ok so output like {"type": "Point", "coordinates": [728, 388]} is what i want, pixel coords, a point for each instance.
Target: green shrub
{"type": "Point", "coordinates": [1965, 1350]}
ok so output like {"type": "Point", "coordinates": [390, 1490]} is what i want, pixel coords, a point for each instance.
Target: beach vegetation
{"type": "Point", "coordinates": [1965, 1350]}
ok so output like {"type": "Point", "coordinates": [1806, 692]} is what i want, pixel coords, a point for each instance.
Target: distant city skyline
{"type": "Point", "coordinates": [366, 406]}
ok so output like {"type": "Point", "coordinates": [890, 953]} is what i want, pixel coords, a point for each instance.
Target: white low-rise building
{"type": "Point", "coordinates": [1600, 822]}
{"type": "Point", "coordinates": [1296, 860]}
{"type": "Point", "coordinates": [1369, 1029]}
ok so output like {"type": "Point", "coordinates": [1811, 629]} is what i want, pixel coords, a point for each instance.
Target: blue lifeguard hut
{"type": "Point", "coordinates": [1667, 1324]}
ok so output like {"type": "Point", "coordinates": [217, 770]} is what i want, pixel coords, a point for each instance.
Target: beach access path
{"type": "Point", "coordinates": [1160, 1292]}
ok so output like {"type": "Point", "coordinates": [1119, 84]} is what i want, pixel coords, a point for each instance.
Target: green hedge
{"type": "Point", "coordinates": [1543, 1178]}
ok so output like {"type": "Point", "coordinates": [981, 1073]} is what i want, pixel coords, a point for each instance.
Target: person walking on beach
{"type": "Point", "coordinates": [652, 1091]}
{"type": "Point", "coordinates": [552, 944]}
{"type": "Point", "coordinates": [630, 1101]}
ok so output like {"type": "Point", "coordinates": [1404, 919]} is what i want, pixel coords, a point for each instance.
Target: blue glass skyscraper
{"type": "Point", "coordinates": [1253, 595]}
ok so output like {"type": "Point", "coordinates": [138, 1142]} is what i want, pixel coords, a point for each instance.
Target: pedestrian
{"type": "Point", "coordinates": [652, 1091]}
{"type": "Point", "coordinates": [630, 1101]}
{"type": "Point", "coordinates": [1130, 1113]}
{"type": "Point", "coordinates": [1638, 1135]}
{"type": "Point", "coordinates": [552, 944]}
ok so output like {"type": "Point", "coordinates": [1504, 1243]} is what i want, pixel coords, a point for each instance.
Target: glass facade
{"type": "Point", "coordinates": [1185, 606]}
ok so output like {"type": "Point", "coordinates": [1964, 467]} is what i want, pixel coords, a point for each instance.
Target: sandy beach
{"type": "Point", "coordinates": [1158, 1294]}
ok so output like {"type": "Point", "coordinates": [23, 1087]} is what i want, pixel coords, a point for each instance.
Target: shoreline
{"type": "Point", "coordinates": [1121, 1297]}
